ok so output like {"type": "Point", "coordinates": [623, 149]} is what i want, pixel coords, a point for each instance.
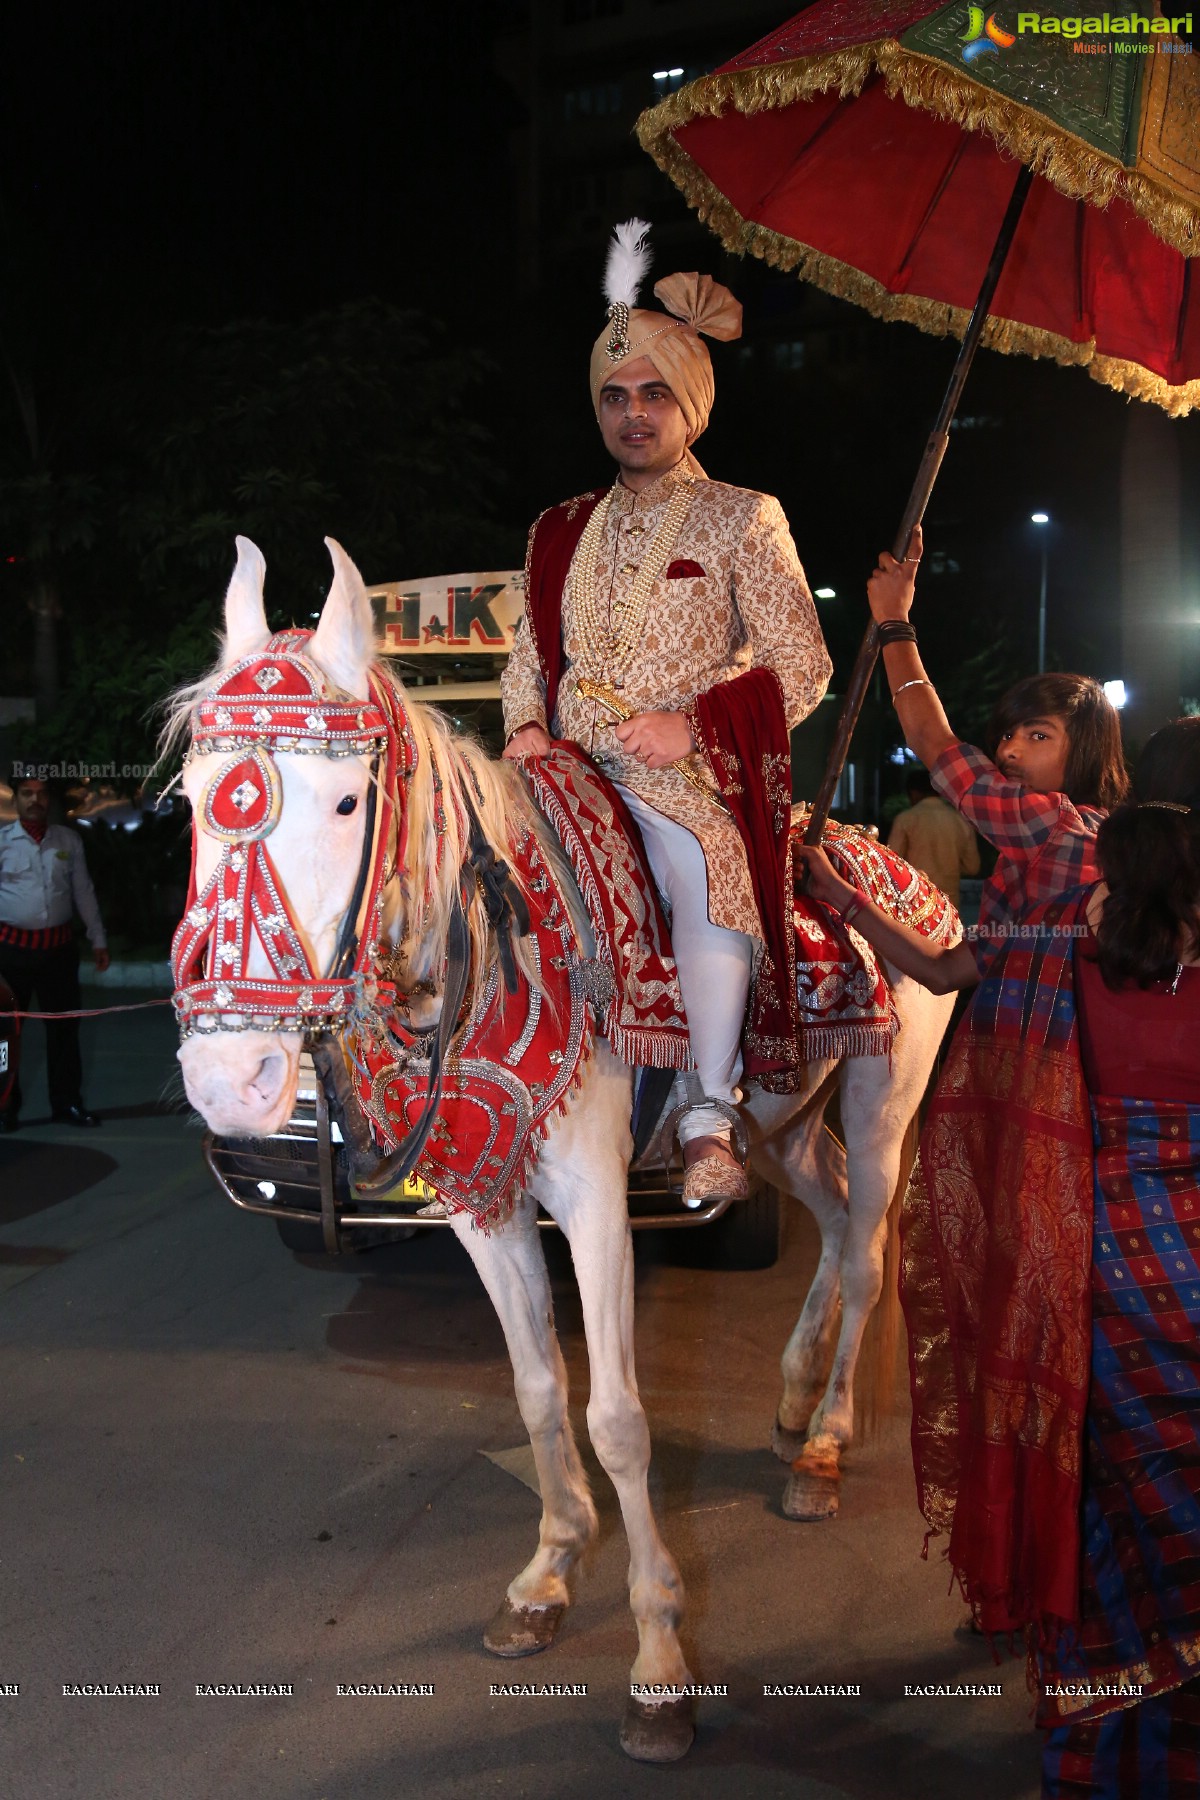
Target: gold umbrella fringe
{"type": "Point", "coordinates": [1073, 167]}
{"type": "Point", "coordinates": [937, 317]}
{"type": "Point", "coordinates": [1076, 169]}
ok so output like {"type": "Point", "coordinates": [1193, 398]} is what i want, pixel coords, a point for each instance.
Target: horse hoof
{"type": "Point", "coordinates": [813, 1488]}
{"type": "Point", "coordinates": [658, 1734]}
{"type": "Point", "coordinates": [522, 1630]}
{"type": "Point", "coordinates": [787, 1445]}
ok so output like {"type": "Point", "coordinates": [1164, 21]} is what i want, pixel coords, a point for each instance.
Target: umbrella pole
{"type": "Point", "coordinates": [931, 462]}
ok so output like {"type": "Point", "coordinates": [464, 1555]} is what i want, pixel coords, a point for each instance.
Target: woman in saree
{"type": "Point", "coordinates": [1050, 1277]}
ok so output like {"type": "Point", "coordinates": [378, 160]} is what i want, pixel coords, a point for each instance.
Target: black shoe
{"type": "Point", "coordinates": [74, 1115]}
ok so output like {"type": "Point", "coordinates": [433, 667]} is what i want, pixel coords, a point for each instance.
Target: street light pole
{"type": "Point", "coordinates": [1042, 519]}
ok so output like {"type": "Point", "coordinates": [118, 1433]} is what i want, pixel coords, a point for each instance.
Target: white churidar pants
{"type": "Point", "coordinates": [714, 964]}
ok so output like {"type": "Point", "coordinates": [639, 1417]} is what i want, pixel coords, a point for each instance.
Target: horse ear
{"type": "Point", "coordinates": [246, 627]}
{"type": "Point", "coordinates": [344, 642]}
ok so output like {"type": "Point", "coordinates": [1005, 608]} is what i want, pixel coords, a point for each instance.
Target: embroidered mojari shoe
{"type": "Point", "coordinates": [709, 1177]}
{"type": "Point", "coordinates": [712, 1178]}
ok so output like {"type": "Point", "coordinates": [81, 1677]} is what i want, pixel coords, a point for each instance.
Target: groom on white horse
{"type": "Point", "coordinates": [670, 632]}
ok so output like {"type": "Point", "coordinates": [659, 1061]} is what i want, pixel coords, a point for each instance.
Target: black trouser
{"type": "Point", "coordinates": [52, 978]}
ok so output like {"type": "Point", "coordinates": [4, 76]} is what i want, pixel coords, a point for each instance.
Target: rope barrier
{"type": "Point", "coordinates": [90, 1012]}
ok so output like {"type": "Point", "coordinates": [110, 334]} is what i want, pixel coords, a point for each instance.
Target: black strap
{"type": "Point", "coordinates": [500, 895]}
{"type": "Point", "coordinates": [399, 1163]}
{"type": "Point", "coordinates": [651, 1092]}
{"type": "Point", "coordinates": [347, 944]}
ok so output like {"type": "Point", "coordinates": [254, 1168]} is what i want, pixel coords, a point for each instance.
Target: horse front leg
{"type": "Point", "coordinates": [513, 1270]}
{"type": "Point", "coordinates": [581, 1181]}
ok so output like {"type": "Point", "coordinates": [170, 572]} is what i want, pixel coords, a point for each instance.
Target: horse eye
{"type": "Point", "coordinates": [348, 804]}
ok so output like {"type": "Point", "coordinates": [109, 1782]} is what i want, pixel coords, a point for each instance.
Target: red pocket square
{"type": "Point", "coordinates": [680, 571]}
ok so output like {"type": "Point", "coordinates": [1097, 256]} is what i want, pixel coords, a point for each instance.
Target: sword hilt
{"type": "Point", "coordinates": [607, 695]}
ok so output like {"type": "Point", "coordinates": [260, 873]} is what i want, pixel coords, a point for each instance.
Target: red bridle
{"type": "Point", "coordinates": [278, 700]}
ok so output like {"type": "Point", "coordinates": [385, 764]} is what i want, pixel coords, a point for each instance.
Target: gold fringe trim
{"type": "Point", "coordinates": [936, 317]}
{"type": "Point", "coordinates": [1073, 167]}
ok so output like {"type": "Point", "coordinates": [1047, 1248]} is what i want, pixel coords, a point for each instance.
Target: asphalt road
{"type": "Point", "coordinates": [223, 1466]}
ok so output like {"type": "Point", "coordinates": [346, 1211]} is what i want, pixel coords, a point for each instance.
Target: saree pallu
{"type": "Point", "coordinates": [1122, 1693]}
{"type": "Point", "coordinates": [994, 1279]}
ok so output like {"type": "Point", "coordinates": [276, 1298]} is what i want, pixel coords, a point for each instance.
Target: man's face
{"type": "Point", "coordinates": [640, 422]}
{"type": "Point", "coordinates": [33, 800]}
{"type": "Point", "coordinates": [1036, 752]}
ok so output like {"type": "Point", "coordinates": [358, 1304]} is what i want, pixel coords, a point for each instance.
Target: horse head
{"type": "Point", "coordinates": [293, 742]}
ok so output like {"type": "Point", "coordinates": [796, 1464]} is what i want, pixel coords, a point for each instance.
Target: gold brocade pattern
{"type": "Point", "coordinates": [750, 607]}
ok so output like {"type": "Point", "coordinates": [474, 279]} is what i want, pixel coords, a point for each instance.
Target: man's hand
{"type": "Point", "coordinates": [656, 738]}
{"type": "Point", "coordinates": [531, 740]}
{"type": "Point", "coordinates": [101, 960]}
{"type": "Point", "coordinates": [821, 879]}
{"type": "Point", "coordinates": [890, 587]}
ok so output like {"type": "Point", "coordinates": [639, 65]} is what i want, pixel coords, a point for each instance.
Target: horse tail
{"type": "Point", "coordinates": [875, 1384]}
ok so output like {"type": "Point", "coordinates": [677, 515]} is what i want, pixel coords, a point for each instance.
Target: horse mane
{"type": "Point", "coordinates": [177, 709]}
{"type": "Point", "coordinates": [462, 769]}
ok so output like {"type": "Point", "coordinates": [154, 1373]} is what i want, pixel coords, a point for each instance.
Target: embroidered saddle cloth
{"type": "Point", "coordinates": [635, 985]}
{"type": "Point", "coordinates": [514, 1062]}
{"type": "Point", "coordinates": [518, 1057]}
{"type": "Point", "coordinates": [846, 1005]}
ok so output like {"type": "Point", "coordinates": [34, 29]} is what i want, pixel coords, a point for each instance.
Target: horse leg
{"type": "Point", "coordinates": [792, 1149]}
{"type": "Point", "coordinates": [581, 1181]}
{"type": "Point", "coordinates": [513, 1270]}
{"type": "Point", "coordinates": [808, 1353]}
{"type": "Point", "coordinates": [877, 1103]}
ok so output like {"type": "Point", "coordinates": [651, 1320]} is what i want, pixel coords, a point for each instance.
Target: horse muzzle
{"type": "Point", "coordinates": [242, 1084]}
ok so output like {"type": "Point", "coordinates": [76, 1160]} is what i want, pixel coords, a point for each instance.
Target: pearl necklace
{"type": "Point", "coordinates": [605, 652]}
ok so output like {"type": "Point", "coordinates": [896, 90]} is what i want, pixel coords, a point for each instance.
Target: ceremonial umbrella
{"type": "Point", "coordinates": [1028, 180]}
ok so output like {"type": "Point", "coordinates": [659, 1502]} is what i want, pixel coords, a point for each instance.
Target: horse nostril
{"type": "Point", "coordinates": [267, 1078]}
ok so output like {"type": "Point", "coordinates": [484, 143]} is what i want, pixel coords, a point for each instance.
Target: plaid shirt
{"type": "Point", "coordinates": [1047, 844]}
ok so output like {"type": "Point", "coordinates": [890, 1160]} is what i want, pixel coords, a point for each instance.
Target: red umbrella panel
{"type": "Point", "coordinates": [858, 148]}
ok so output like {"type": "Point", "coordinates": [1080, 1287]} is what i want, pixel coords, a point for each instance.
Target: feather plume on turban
{"type": "Point", "coordinates": [694, 304]}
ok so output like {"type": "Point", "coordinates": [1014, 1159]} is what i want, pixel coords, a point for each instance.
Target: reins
{"type": "Point", "coordinates": [348, 938]}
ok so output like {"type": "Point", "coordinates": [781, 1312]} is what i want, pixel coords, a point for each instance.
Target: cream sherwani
{"type": "Point", "coordinates": [751, 607]}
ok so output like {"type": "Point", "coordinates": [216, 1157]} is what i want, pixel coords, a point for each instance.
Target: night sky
{"type": "Point", "coordinates": [196, 165]}
{"type": "Point", "coordinates": [215, 160]}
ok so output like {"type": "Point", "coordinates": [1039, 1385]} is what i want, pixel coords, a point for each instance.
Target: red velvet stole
{"type": "Point", "coordinates": [741, 728]}
{"type": "Point", "coordinates": [555, 536]}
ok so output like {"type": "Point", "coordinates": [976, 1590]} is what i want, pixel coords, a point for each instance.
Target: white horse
{"type": "Point", "coordinates": [243, 1081]}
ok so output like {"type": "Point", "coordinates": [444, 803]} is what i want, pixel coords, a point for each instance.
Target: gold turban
{"type": "Point", "coordinates": [695, 303]}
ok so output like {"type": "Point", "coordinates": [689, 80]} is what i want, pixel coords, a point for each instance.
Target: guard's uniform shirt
{"type": "Point", "coordinates": [41, 885]}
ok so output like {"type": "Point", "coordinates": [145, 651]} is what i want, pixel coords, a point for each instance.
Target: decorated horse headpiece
{"type": "Point", "coordinates": [275, 700]}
